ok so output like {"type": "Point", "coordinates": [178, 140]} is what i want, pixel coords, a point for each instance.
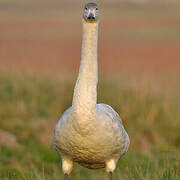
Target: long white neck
{"type": "Point", "coordinates": [85, 92]}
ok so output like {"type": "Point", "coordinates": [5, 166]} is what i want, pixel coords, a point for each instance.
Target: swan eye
{"type": "Point", "coordinates": [96, 8]}
{"type": "Point", "coordinates": [86, 8]}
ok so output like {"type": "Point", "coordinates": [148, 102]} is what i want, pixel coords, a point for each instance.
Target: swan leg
{"type": "Point", "coordinates": [67, 165]}
{"type": "Point", "coordinates": [110, 167]}
{"type": "Point", "coordinates": [109, 175]}
{"type": "Point", "coordinates": [66, 177]}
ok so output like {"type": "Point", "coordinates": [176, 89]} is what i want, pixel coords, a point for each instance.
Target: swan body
{"type": "Point", "coordinates": [88, 133]}
{"type": "Point", "coordinates": [92, 146]}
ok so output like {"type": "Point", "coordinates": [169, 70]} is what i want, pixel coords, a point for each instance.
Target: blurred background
{"type": "Point", "coordinates": [139, 75]}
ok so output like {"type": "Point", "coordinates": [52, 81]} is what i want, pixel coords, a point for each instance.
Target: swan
{"type": "Point", "coordinates": [88, 133]}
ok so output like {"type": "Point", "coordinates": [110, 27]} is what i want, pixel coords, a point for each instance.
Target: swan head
{"type": "Point", "coordinates": [91, 12]}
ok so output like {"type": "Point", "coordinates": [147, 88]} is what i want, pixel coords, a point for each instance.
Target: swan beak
{"type": "Point", "coordinates": [91, 14]}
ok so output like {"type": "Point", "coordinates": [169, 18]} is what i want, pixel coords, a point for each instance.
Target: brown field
{"type": "Point", "coordinates": [133, 38]}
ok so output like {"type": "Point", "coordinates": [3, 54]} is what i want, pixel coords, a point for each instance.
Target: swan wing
{"type": "Point", "coordinates": [115, 132]}
{"type": "Point", "coordinates": [109, 111]}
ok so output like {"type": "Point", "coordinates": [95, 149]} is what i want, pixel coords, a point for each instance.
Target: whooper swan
{"type": "Point", "coordinates": [88, 133]}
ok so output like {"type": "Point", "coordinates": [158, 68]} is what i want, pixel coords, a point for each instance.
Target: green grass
{"type": "Point", "coordinates": [30, 107]}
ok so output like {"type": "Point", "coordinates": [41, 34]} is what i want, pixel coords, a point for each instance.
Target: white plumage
{"type": "Point", "coordinates": [89, 133]}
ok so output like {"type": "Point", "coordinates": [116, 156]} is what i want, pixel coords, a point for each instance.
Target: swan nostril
{"type": "Point", "coordinates": [91, 17]}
